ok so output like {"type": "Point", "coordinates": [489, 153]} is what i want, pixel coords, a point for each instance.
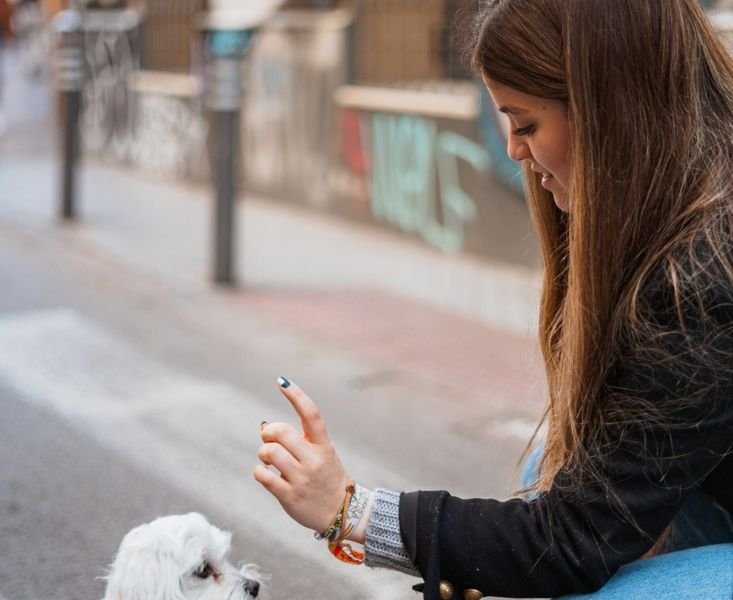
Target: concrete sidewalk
{"type": "Point", "coordinates": [451, 320]}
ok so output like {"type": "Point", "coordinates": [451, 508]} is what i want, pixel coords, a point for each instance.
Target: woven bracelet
{"type": "Point", "coordinates": [345, 521]}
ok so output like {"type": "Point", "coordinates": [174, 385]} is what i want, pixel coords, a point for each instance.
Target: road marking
{"type": "Point", "coordinates": [199, 433]}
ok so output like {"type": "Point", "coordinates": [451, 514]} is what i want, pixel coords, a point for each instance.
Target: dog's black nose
{"type": "Point", "coordinates": [252, 587]}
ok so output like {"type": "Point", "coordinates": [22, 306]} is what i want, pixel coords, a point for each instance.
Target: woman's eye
{"type": "Point", "coordinates": [204, 571]}
{"type": "Point", "coordinates": [528, 130]}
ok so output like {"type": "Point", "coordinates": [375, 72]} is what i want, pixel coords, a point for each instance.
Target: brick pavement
{"type": "Point", "coordinates": [405, 336]}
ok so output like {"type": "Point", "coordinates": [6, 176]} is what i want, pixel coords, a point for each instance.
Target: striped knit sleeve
{"type": "Point", "coordinates": [384, 546]}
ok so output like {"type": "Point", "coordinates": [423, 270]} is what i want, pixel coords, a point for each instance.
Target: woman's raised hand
{"type": "Point", "coordinates": [312, 481]}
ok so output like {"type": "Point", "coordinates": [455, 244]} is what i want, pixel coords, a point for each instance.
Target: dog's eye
{"type": "Point", "coordinates": [204, 571]}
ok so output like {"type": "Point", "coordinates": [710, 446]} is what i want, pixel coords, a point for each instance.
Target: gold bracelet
{"type": "Point", "coordinates": [342, 524]}
{"type": "Point", "coordinates": [334, 527]}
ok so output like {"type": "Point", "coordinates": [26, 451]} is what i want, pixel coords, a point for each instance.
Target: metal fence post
{"type": "Point", "coordinates": [68, 25]}
{"type": "Point", "coordinates": [223, 96]}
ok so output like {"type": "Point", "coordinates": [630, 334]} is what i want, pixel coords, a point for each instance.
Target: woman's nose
{"type": "Point", "coordinates": [517, 148]}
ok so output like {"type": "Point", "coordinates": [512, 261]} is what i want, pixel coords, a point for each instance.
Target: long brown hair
{"type": "Point", "coordinates": [649, 91]}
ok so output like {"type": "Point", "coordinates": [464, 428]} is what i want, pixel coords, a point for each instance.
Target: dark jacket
{"type": "Point", "coordinates": [573, 541]}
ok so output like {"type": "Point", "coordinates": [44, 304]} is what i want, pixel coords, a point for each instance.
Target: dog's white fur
{"type": "Point", "coordinates": [179, 557]}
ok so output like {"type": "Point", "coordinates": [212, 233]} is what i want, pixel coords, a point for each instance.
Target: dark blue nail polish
{"type": "Point", "coordinates": [284, 383]}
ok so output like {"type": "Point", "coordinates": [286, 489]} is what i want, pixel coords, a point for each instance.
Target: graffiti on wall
{"type": "Point", "coordinates": [111, 56]}
{"type": "Point", "coordinates": [411, 172]}
{"type": "Point", "coordinates": [170, 136]}
{"type": "Point", "coordinates": [124, 119]}
{"type": "Point", "coordinates": [404, 170]}
{"type": "Point", "coordinates": [424, 176]}
{"type": "Point", "coordinates": [289, 118]}
{"type": "Point", "coordinates": [415, 178]}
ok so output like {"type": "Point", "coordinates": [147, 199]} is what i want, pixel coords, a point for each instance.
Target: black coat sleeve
{"type": "Point", "coordinates": [574, 541]}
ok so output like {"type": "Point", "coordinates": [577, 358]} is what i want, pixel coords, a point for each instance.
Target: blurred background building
{"type": "Point", "coordinates": [363, 109]}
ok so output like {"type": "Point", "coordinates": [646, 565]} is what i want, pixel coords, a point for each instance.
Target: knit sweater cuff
{"type": "Point", "coordinates": [384, 546]}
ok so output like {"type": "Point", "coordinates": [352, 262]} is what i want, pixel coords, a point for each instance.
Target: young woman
{"type": "Point", "coordinates": [622, 114]}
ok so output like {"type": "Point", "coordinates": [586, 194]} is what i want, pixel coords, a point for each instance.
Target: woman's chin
{"type": "Point", "coordinates": [561, 201]}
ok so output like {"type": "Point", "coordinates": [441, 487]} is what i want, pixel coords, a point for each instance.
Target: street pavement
{"type": "Point", "coordinates": [131, 387]}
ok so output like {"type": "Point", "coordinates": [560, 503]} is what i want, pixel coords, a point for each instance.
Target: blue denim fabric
{"type": "Point", "coordinates": [697, 561]}
{"type": "Point", "coordinates": [704, 573]}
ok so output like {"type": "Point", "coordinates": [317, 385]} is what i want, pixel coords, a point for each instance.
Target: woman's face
{"type": "Point", "coordinates": [539, 132]}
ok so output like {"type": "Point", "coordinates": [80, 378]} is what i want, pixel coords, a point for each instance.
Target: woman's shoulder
{"type": "Point", "coordinates": [677, 347]}
{"type": "Point", "coordinates": [693, 281]}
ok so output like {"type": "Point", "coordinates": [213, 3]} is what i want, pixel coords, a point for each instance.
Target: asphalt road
{"type": "Point", "coordinates": [65, 500]}
{"type": "Point", "coordinates": [104, 426]}
{"type": "Point", "coordinates": [125, 397]}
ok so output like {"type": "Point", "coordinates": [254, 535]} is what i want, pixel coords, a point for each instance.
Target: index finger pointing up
{"type": "Point", "coordinates": [310, 416]}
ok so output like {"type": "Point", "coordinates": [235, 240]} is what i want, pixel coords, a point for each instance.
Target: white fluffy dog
{"type": "Point", "coordinates": [179, 557]}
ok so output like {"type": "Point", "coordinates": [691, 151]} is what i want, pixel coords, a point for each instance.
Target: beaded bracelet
{"type": "Point", "coordinates": [344, 522]}
{"type": "Point", "coordinates": [331, 533]}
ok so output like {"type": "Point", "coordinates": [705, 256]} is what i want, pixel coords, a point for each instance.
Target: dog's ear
{"type": "Point", "coordinates": [145, 568]}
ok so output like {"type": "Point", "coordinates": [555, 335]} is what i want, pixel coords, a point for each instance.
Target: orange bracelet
{"type": "Point", "coordinates": [345, 553]}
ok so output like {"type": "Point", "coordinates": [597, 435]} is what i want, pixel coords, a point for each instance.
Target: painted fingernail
{"type": "Point", "coordinates": [262, 425]}
{"type": "Point", "coordinates": [283, 383]}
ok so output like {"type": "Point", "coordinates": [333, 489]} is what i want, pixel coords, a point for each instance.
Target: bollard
{"type": "Point", "coordinates": [69, 79]}
{"type": "Point", "coordinates": [223, 97]}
